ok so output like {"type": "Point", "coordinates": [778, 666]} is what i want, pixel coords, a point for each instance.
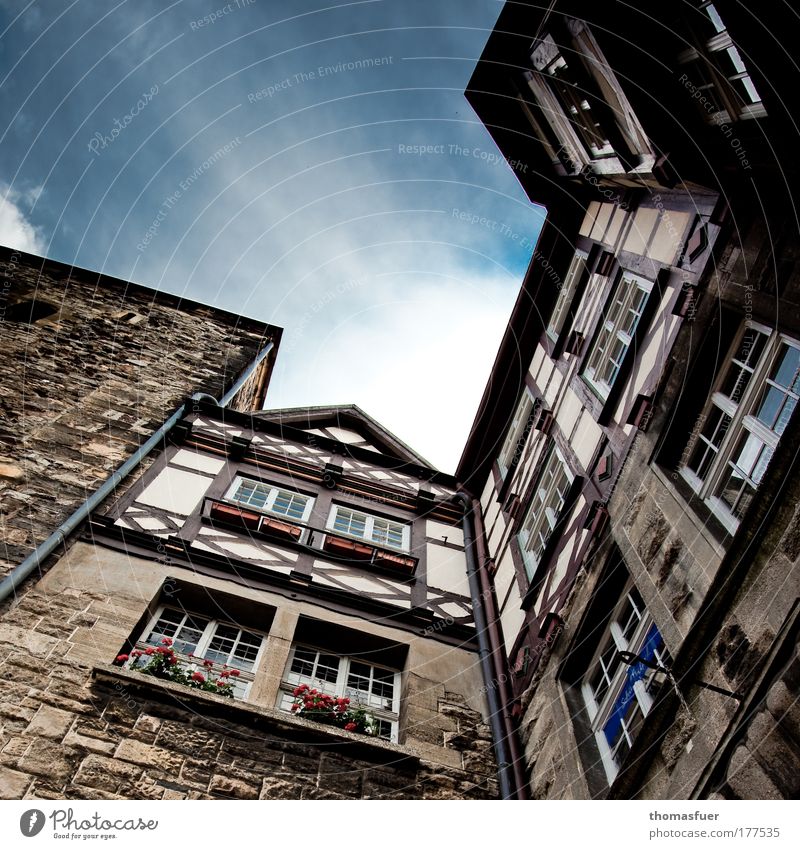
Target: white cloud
{"type": "Point", "coordinates": [15, 229]}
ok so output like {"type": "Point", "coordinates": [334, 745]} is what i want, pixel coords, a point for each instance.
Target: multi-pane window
{"type": "Point", "coordinates": [374, 687]}
{"type": "Point", "coordinates": [374, 529]}
{"type": "Point", "coordinates": [521, 423]}
{"type": "Point", "coordinates": [198, 638]}
{"type": "Point", "coordinates": [737, 433]}
{"type": "Point", "coordinates": [271, 499]}
{"type": "Point", "coordinates": [718, 71]}
{"type": "Point", "coordinates": [563, 81]}
{"type": "Point", "coordinates": [618, 695]}
{"type": "Point", "coordinates": [565, 293]}
{"type": "Point", "coordinates": [615, 334]}
{"type": "Point", "coordinates": [545, 509]}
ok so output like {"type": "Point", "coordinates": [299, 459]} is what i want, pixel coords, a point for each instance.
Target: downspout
{"type": "Point", "coordinates": [505, 774]}
{"type": "Point", "coordinates": [34, 560]}
{"type": "Point", "coordinates": [496, 642]}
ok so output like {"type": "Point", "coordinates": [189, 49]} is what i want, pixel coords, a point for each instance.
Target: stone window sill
{"type": "Point", "coordinates": [369, 748]}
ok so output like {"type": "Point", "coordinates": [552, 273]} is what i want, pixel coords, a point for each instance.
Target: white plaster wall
{"type": "Point", "coordinates": [447, 569]}
{"type": "Point", "coordinates": [437, 530]}
{"type": "Point", "coordinates": [588, 221]}
{"type": "Point", "coordinates": [175, 490]}
{"type": "Point", "coordinates": [642, 226]}
{"type": "Point", "coordinates": [669, 236]}
{"type": "Point", "coordinates": [196, 460]}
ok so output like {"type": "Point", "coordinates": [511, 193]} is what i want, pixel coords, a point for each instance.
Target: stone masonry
{"type": "Point", "coordinates": [84, 385]}
{"type": "Point", "coordinates": [71, 730]}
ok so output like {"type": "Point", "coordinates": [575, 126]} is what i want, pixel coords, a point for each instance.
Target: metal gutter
{"type": "Point", "coordinates": [505, 773]}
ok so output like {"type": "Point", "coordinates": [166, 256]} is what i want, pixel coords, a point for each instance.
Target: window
{"type": "Point", "coordinates": [617, 327]}
{"type": "Point", "coordinates": [718, 71]}
{"type": "Point", "coordinates": [373, 529]}
{"type": "Point", "coordinates": [565, 84]}
{"type": "Point", "coordinates": [568, 285]}
{"type": "Point", "coordinates": [544, 512]}
{"type": "Point", "coordinates": [520, 426]}
{"type": "Point", "coordinates": [197, 638]}
{"type": "Point", "coordinates": [376, 688]}
{"type": "Point", "coordinates": [619, 696]}
{"type": "Point", "coordinates": [737, 433]}
{"type": "Point", "coordinates": [271, 499]}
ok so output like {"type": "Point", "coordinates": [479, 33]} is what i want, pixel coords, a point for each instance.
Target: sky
{"type": "Point", "coordinates": [311, 164]}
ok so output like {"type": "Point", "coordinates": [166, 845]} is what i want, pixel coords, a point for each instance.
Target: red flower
{"type": "Point", "coordinates": [172, 660]}
{"type": "Point", "coordinates": [136, 653]}
{"type": "Point", "coordinates": [234, 672]}
{"type": "Point", "coordinates": [121, 658]}
{"type": "Point", "coordinates": [149, 650]}
{"type": "Point", "coordinates": [198, 676]}
{"type": "Point", "coordinates": [208, 664]}
{"type": "Point", "coordinates": [294, 707]}
{"type": "Point", "coordinates": [351, 726]}
{"type": "Point", "coordinates": [166, 641]}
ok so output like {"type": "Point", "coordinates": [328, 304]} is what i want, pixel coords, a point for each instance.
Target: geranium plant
{"type": "Point", "coordinates": [313, 704]}
{"type": "Point", "coordinates": [162, 662]}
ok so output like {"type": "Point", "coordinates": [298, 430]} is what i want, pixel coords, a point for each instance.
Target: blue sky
{"type": "Point", "coordinates": [310, 164]}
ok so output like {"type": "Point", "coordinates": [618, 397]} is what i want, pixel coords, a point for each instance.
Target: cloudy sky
{"type": "Point", "coordinates": [313, 164]}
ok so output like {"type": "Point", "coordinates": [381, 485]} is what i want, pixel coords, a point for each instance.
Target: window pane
{"type": "Point", "coordinates": [252, 493]}
{"type": "Point", "coordinates": [290, 504]}
{"type": "Point", "coordinates": [350, 522]}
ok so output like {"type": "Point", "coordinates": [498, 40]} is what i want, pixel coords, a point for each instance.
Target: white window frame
{"type": "Point", "coordinates": [273, 491]}
{"type": "Point", "coordinates": [721, 43]}
{"type": "Point", "coordinates": [242, 684]}
{"type": "Point", "coordinates": [615, 675]}
{"type": "Point", "coordinates": [369, 521]}
{"type": "Point", "coordinates": [565, 293]}
{"type": "Point", "coordinates": [291, 680]}
{"type": "Point", "coordinates": [742, 421]}
{"type": "Point", "coordinates": [545, 510]}
{"type": "Point", "coordinates": [520, 420]}
{"type": "Point", "coordinates": [604, 353]}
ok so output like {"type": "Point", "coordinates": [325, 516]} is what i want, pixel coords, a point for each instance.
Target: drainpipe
{"type": "Point", "coordinates": [505, 774]}
{"type": "Point", "coordinates": [498, 654]}
{"type": "Point", "coordinates": [35, 559]}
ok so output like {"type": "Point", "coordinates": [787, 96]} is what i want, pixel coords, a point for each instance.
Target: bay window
{"type": "Point", "coordinates": [568, 285]}
{"type": "Point", "coordinates": [618, 696]}
{"type": "Point", "coordinates": [755, 394]}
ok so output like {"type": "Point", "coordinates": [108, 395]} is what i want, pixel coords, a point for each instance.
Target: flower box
{"type": "Point", "coordinates": [387, 558]}
{"type": "Point", "coordinates": [235, 515]}
{"type": "Point", "coordinates": [275, 527]}
{"type": "Point", "coordinates": [348, 548]}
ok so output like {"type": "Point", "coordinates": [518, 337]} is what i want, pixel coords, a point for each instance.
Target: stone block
{"type": "Point", "coordinates": [50, 722]}
{"type": "Point", "coordinates": [340, 775]}
{"type": "Point", "coordinates": [89, 744]}
{"type": "Point", "coordinates": [747, 779]}
{"type": "Point", "coordinates": [785, 708]}
{"type": "Point", "coordinates": [146, 754]}
{"type": "Point", "coordinates": [105, 773]}
{"type": "Point", "coordinates": [776, 753]}
{"type": "Point", "coordinates": [233, 788]}
{"type": "Point", "coordinates": [13, 784]}
{"type": "Point", "coordinates": [50, 760]}
{"type": "Point", "coordinates": [273, 787]}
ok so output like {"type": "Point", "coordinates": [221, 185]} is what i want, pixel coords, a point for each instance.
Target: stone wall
{"type": "Point", "coordinates": [82, 387]}
{"type": "Point", "coordinates": [77, 730]}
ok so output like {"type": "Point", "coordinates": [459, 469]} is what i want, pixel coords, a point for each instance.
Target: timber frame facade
{"type": "Point", "coordinates": [637, 434]}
